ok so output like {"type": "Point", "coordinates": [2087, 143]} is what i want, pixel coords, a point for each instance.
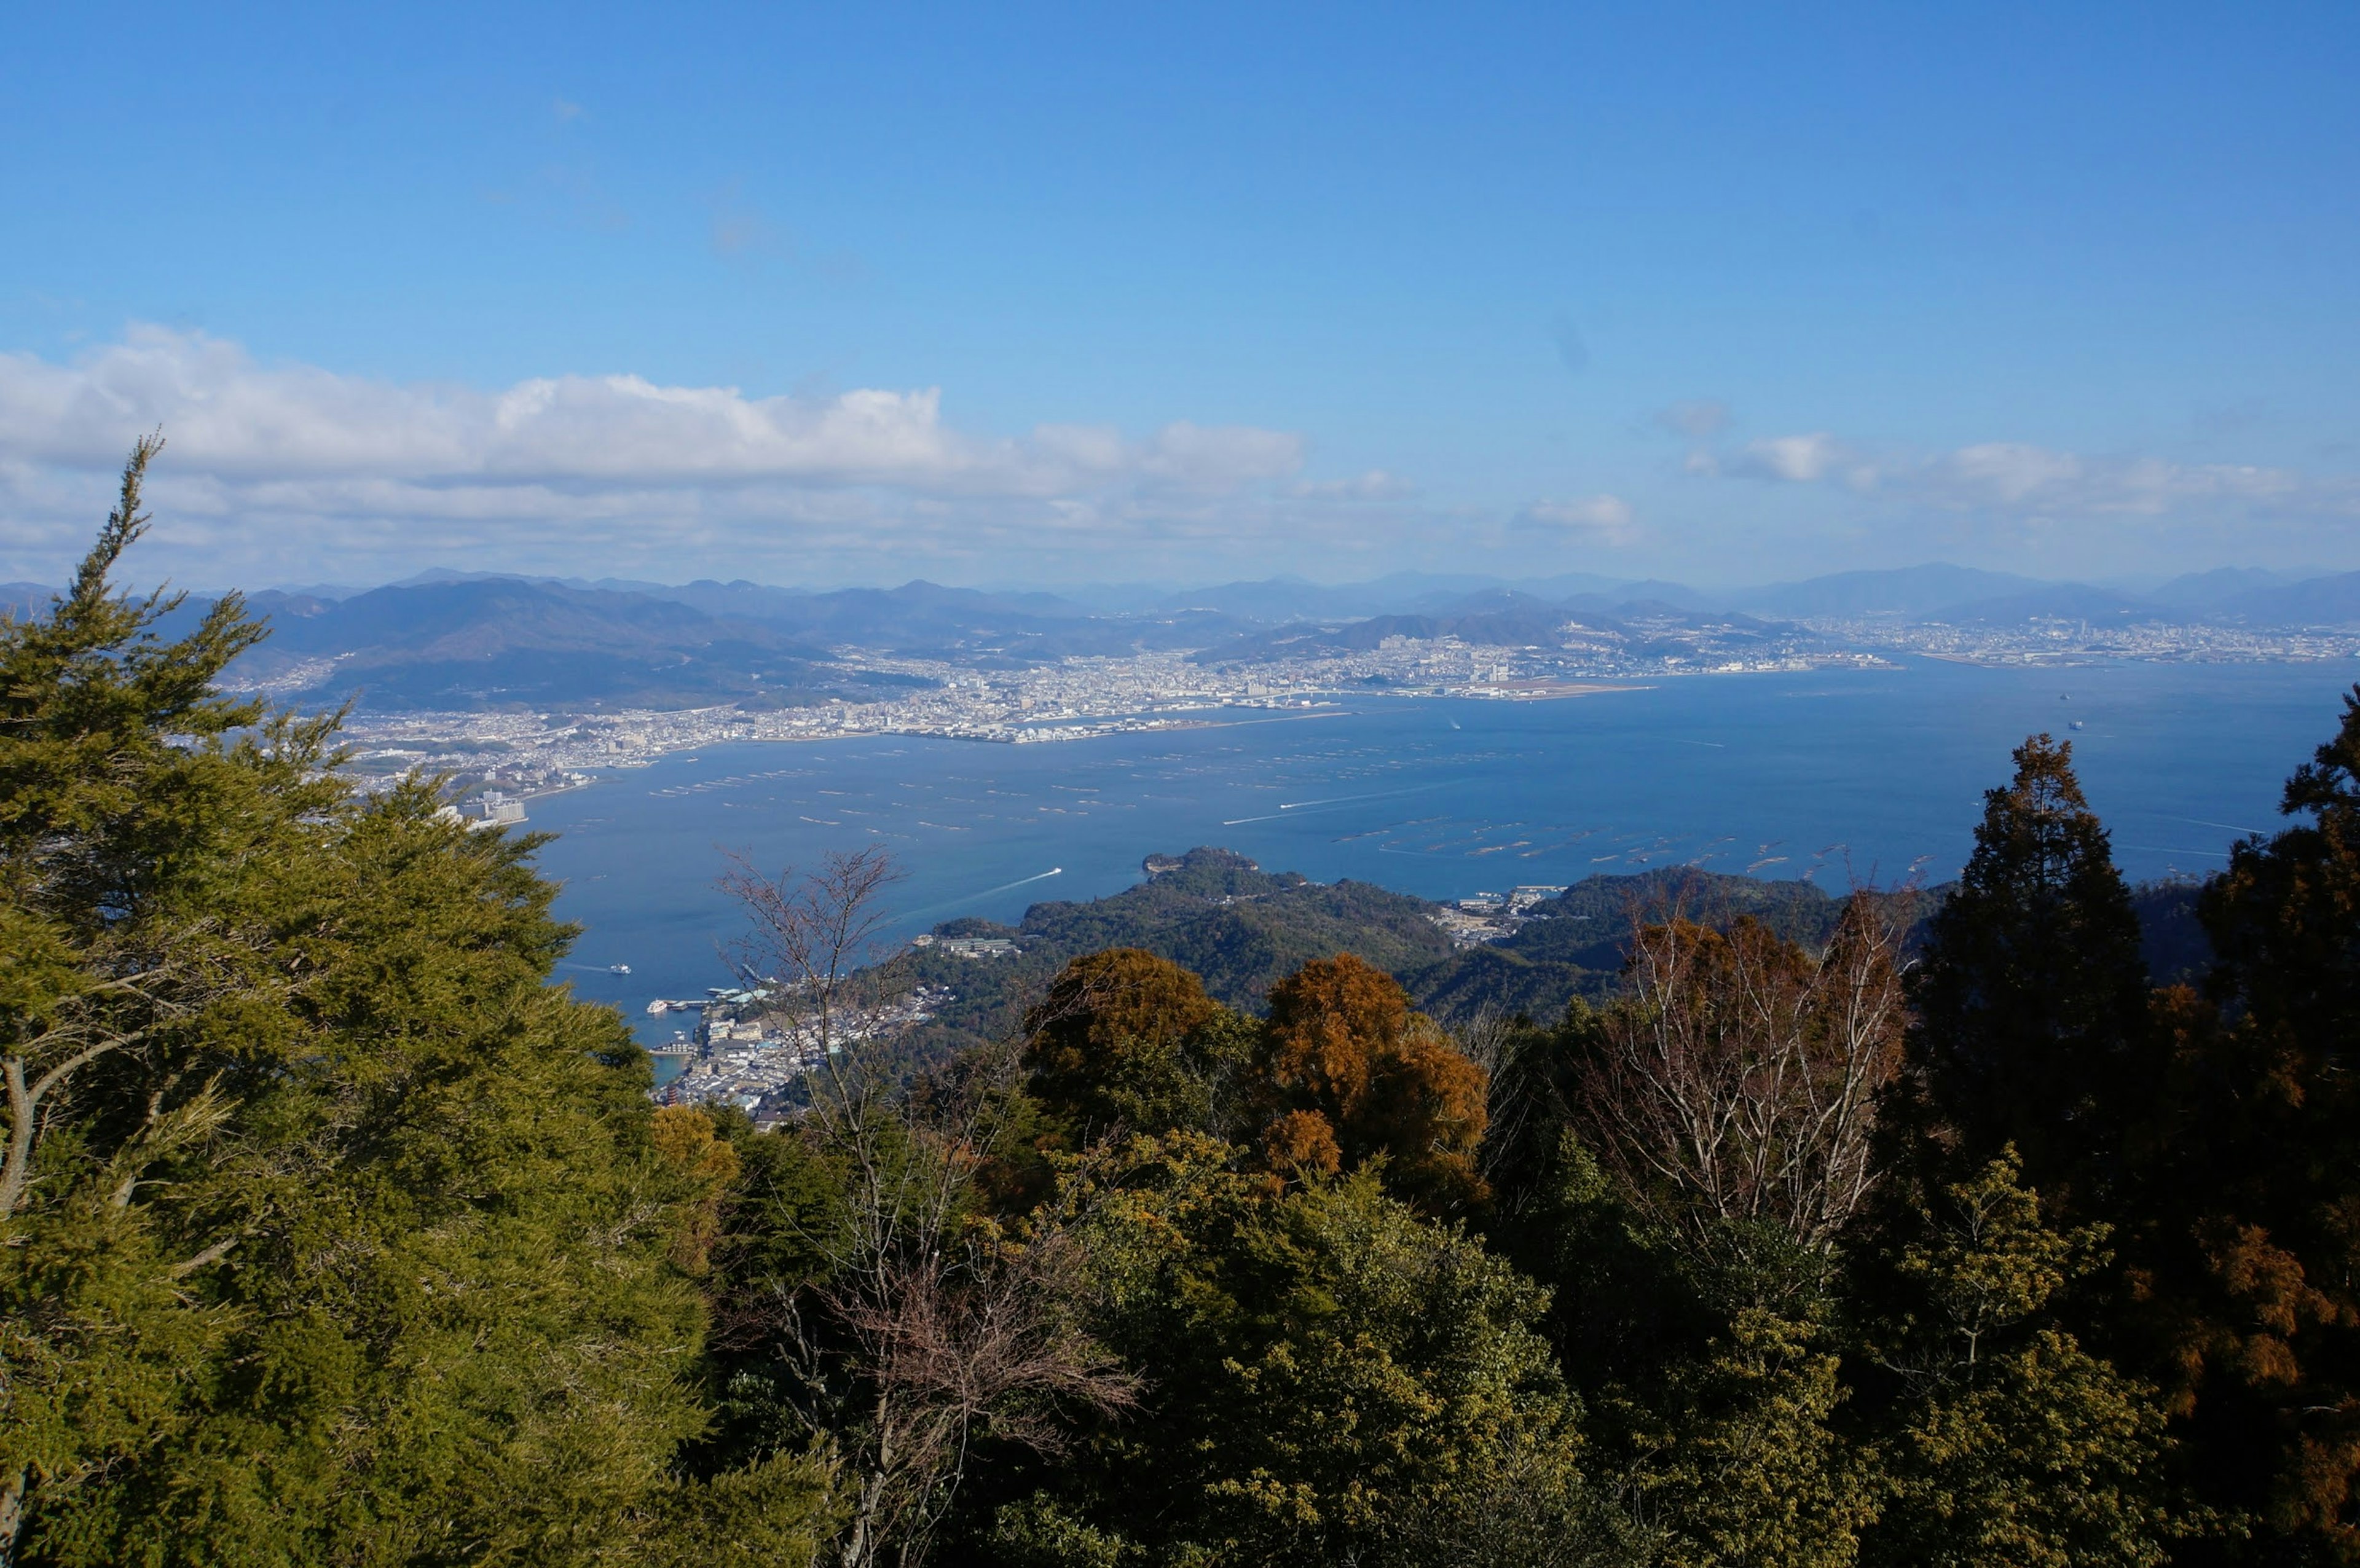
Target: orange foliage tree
{"type": "Point", "coordinates": [1348, 1072]}
{"type": "Point", "coordinates": [1125, 1039]}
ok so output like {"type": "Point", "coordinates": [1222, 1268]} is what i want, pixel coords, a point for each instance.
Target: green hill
{"type": "Point", "coordinates": [1243, 929]}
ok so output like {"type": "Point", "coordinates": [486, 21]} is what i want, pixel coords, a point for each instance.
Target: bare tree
{"type": "Point", "coordinates": [818, 935]}
{"type": "Point", "coordinates": [1737, 1076]}
{"type": "Point", "coordinates": [932, 1325]}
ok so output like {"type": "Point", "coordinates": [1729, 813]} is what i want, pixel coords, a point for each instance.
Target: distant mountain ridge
{"type": "Point", "coordinates": [472, 639]}
{"type": "Point", "coordinates": [919, 611]}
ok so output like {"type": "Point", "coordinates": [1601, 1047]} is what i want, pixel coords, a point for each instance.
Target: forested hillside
{"type": "Point", "coordinates": [1833, 1232]}
{"type": "Point", "coordinates": [1242, 930]}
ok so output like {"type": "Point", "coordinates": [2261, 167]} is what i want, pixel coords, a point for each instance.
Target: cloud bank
{"type": "Point", "coordinates": [295, 456]}
{"type": "Point", "coordinates": [2016, 480]}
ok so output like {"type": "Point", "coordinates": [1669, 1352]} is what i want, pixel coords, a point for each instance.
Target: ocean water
{"type": "Point", "coordinates": [1856, 773]}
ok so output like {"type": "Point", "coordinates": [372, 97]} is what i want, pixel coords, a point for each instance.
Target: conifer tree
{"type": "Point", "coordinates": [2255, 1259]}
{"type": "Point", "coordinates": [1331, 1378]}
{"type": "Point", "coordinates": [1347, 1071]}
{"type": "Point", "coordinates": [2032, 997]}
{"type": "Point", "coordinates": [329, 1232]}
{"type": "Point", "coordinates": [1127, 1040]}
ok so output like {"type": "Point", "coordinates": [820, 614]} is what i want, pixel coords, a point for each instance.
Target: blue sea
{"type": "Point", "coordinates": [1836, 776]}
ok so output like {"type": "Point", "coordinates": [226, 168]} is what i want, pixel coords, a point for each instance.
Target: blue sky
{"type": "Point", "coordinates": [1030, 294]}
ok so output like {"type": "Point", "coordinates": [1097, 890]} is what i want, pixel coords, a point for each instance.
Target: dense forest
{"type": "Point", "coordinates": [1909, 1232]}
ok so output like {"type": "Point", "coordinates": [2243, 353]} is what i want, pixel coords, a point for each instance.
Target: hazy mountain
{"type": "Point", "coordinates": [1287, 599]}
{"type": "Point", "coordinates": [1508, 628]}
{"type": "Point", "coordinates": [2206, 591]}
{"type": "Point", "coordinates": [2321, 601]}
{"type": "Point", "coordinates": [22, 601]}
{"type": "Point", "coordinates": [1919, 590]}
{"type": "Point", "coordinates": [498, 642]}
{"type": "Point", "coordinates": [2059, 601]}
{"type": "Point", "coordinates": [1654, 591]}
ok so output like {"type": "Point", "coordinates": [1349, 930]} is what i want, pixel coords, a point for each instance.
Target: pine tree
{"type": "Point", "coordinates": [2032, 998]}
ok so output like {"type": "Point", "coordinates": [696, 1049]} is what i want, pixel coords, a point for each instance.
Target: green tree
{"type": "Point", "coordinates": [123, 800]}
{"type": "Point", "coordinates": [1745, 1464]}
{"type": "Point", "coordinates": [1704, 1348]}
{"type": "Point", "coordinates": [332, 1232]}
{"type": "Point", "coordinates": [1331, 1379]}
{"type": "Point", "coordinates": [2008, 1443]}
{"type": "Point", "coordinates": [1127, 1040]}
{"type": "Point", "coordinates": [2032, 997]}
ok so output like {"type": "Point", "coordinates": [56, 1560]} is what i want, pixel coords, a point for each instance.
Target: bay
{"type": "Point", "coordinates": [1834, 775]}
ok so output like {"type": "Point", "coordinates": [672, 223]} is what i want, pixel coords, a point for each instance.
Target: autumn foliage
{"type": "Point", "coordinates": [1345, 1053]}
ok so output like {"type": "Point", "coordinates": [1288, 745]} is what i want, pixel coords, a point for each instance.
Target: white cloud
{"type": "Point", "coordinates": [1797, 459]}
{"type": "Point", "coordinates": [2019, 479]}
{"type": "Point", "coordinates": [275, 453]}
{"type": "Point", "coordinates": [233, 418]}
{"type": "Point", "coordinates": [1594, 519]}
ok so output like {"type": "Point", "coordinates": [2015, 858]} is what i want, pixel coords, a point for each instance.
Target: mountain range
{"type": "Point", "coordinates": [464, 640]}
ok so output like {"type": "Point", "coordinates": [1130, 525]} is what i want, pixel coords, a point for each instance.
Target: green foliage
{"type": "Point", "coordinates": [333, 1233]}
{"type": "Point", "coordinates": [2033, 1027]}
{"type": "Point", "coordinates": [1332, 1379]}
{"type": "Point", "coordinates": [2010, 1444]}
{"type": "Point", "coordinates": [1127, 1040]}
{"type": "Point", "coordinates": [1745, 1464]}
{"type": "Point", "coordinates": [1712, 1379]}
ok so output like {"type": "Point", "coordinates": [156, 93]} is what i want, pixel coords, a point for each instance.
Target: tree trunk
{"type": "Point", "coordinates": [12, 1516]}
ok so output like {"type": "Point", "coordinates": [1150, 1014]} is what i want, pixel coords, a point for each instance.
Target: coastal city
{"type": "Point", "coordinates": [747, 1051]}
{"type": "Point", "coordinates": [524, 753]}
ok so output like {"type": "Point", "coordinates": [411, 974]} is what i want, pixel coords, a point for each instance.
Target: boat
{"type": "Point", "coordinates": [618, 969]}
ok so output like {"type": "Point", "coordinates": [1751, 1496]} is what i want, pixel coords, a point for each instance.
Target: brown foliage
{"type": "Point", "coordinates": [1343, 1045]}
{"type": "Point", "coordinates": [1737, 1077]}
{"type": "Point", "coordinates": [1301, 1142]}
{"type": "Point", "coordinates": [1109, 1043]}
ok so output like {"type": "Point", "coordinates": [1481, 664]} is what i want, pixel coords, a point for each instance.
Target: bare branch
{"type": "Point", "coordinates": [1740, 1072]}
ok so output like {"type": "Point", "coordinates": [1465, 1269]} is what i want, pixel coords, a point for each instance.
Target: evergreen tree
{"type": "Point", "coordinates": [1331, 1379]}
{"type": "Point", "coordinates": [1125, 1039]}
{"type": "Point", "coordinates": [1348, 1072]}
{"type": "Point", "coordinates": [2254, 1260]}
{"type": "Point", "coordinates": [2032, 997]}
{"type": "Point", "coordinates": [329, 1232]}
